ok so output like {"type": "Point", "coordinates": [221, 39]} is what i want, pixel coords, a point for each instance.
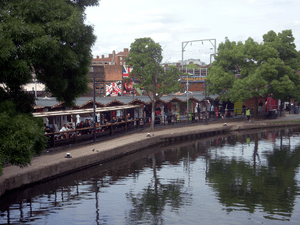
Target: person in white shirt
{"type": "Point", "coordinates": [64, 129]}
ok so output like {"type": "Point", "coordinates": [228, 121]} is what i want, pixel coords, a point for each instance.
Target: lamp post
{"type": "Point", "coordinates": [187, 96]}
{"type": "Point", "coordinates": [94, 108]}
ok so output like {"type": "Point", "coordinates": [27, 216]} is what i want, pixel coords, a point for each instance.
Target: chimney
{"type": "Point", "coordinates": [102, 56]}
{"type": "Point", "coordinates": [125, 49]}
{"type": "Point", "coordinates": [97, 56]}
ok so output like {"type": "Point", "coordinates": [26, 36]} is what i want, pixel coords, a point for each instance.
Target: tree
{"type": "Point", "coordinates": [21, 136]}
{"type": "Point", "coordinates": [286, 84]}
{"type": "Point", "coordinates": [48, 39]}
{"type": "Point", "coordinates": [191, 66]}
{"type": "Point", "coordinates": [145, 58]}
{"type": "Point", "coordinates": [242, 71]}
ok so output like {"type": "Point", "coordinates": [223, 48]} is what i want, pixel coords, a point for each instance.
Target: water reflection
{"type": "Point", "coordinates": [149, 204]}
{"type": "Point", "coordinates": [251, 176]}
{"type": "Point", "coordinates": [267, 185]}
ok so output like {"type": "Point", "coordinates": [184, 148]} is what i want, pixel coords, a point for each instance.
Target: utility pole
{"type": "Point", "coordinates": [184, 44]}
{"type": "Point", "coordinates": [205, 103]}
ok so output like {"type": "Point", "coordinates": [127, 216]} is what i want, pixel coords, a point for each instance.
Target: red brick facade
{"type": "Point", "coordinates": [112, 59]}
{"type": "Point", "coordinates": [113, 73]}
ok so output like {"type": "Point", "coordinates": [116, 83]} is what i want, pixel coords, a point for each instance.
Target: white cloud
{"type": "Point", "coordinates": [118, 23]}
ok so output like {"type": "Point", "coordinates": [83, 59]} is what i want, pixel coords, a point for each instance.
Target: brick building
{"type": "Point", "coordinates": [112, 59]}
{"type": "Point", "coordinates": [108, 73]}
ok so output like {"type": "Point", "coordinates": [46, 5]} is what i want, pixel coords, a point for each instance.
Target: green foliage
{"type": "Point", "coordinates": [285, 46]}
{"type": "Point", "coordinates": [145, 58]}
{"type": "Point", "coordinates": [285, 85]}
{"type": "Point", "coordinates": [191, 66]}
{"type": "Point", "coordinates": [50, 39]}
{"type": "Point", "coordinates": [84, 3]}
{"type": "Point", "coordinates": [245, 70]}
{"type": "Point", "coordinates": [21, 136]}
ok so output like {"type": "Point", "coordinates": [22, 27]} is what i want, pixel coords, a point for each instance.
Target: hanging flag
{"type": "Point", "coordinates": [126, 71]}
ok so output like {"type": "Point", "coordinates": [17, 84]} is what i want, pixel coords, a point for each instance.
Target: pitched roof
{"type": "Point", "coordinates": [123, 100]}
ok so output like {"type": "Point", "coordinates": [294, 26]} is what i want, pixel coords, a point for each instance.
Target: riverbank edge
{"type": "Point", "coordinates": [14, 177]}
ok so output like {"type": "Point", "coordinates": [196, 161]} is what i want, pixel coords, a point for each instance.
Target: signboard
{"type": "Point", "coordinates": [193, 79]}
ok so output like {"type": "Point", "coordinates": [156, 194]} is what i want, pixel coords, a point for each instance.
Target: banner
{"type": "Point", "coordinates": [128, 86]}
{"type": "Point", "coordinates": [114, 89]}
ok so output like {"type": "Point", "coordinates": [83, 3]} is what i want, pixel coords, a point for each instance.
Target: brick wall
{"type": "Point", "coordinates": [113, 73]}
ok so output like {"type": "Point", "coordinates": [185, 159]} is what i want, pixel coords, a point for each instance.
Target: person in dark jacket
{"type": "Point", "coordinates": [85, 125]}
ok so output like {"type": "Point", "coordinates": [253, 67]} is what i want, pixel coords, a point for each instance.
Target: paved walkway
{"type": "Point", "coordinates": [53, 164]}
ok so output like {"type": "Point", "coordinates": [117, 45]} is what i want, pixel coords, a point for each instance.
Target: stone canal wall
{"type": "Point", "coordinates": [53, 165]}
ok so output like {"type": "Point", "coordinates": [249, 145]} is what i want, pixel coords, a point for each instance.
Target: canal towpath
{"type": "Point", "coordinates": [56, 164]}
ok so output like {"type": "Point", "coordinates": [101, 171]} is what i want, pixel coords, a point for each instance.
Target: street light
{"type": "Point", "coordinates": [94, 108]}
{"type": "Point", "coordinates": [187, 97]}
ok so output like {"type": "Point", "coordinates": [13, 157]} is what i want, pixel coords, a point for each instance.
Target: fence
{"type": "Point", "coordinates": [111, 130]}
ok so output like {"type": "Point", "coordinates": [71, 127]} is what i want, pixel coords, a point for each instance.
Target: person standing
{"type": "Point", "coordinates": [248, 114]}
{"type": "Point", "coordinates": [85, 125]}
{"type": "Point", "coordinates": [243, 109]}
{"type": "Point", "coordinates": [260, 105]}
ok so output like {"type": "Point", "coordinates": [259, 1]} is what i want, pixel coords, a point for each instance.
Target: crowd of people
{"type": "Point", "coordinates": [106, 121]}
{"type": "Point", "coordinates": [87, 126]}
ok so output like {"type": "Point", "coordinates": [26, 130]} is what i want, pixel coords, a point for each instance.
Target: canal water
{"type": "Point", "coordinates": [234, 179]}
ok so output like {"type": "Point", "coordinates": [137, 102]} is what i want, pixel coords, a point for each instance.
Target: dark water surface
{"type": "Point", "coordinates": [239, 179]}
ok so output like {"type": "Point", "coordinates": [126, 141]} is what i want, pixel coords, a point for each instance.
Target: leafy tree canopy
{"type": "Point", "coordinates": [191, 66]}
{"type": "Point", "coordinates": [245, 70]}
{"type": "Point", "coordinates": [49, 39]}
{"type": "Point", "coordinates": [285, 46]}
{"type": "Point", "coordinates": [21, 136]}
{"type": "Point", "coordinates": [145, 57]}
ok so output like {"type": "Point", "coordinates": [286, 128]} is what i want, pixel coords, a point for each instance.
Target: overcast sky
{"type": "Point", "coordinates": [118, 23]}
